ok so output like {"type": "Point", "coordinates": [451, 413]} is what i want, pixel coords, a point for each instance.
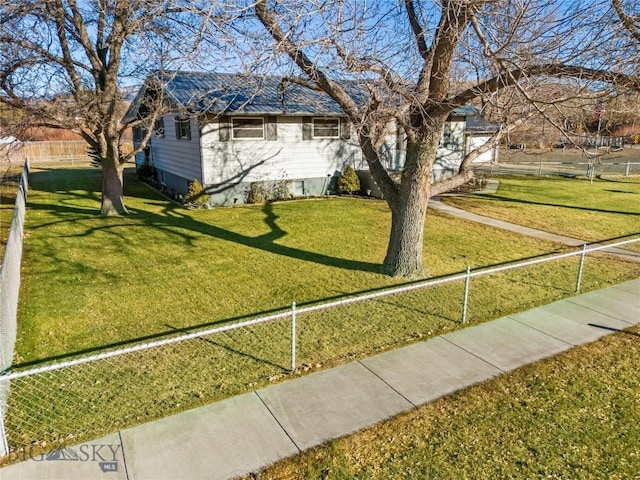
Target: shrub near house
{"type": "Point", "coordinates": [196, 195]}
{"type": "Point", "coordinates": [349, 182]}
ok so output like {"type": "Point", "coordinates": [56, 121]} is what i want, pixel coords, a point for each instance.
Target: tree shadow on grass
{"type": "Point", "coordinates": [423, 311]}
{"type": "Point", "coordinates": [547, 204]}
{"type": "Point", "coordinates": [174, 220]}
{"type": "Point", "coordinates": [175, 217]}
{"type": "Point", "coordinates": [230, 349]}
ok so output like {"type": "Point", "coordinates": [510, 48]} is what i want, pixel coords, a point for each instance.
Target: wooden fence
{"type": "Point", "coordinates": [62, 152]}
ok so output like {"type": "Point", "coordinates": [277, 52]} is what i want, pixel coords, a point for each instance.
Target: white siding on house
{"type": "Point", "coordinates": [178, 157]}
{"type": "Point", "coordinates": [478, 140]}
{"type": "Point", "coordinates": [451, 149]}
{"type": "Point", "coordinates": [229, 163]}
{"type": "Point", "coordinates": [227, 166]}
{"type": "Point", "coordinates": [289, 157]}
{"type": "Point", "coordinates": [393, 152]}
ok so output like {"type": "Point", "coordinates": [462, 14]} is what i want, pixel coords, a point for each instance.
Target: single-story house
{"type": "Point", "coordinates": [477, 131]}
{"type": "Point", "coordinates": [234, 133]}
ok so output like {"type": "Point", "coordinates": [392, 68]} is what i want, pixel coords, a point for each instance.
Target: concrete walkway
{"type": "Point", "coordinates": [240, 435]}
{"type": "Point", "coordinates": [492, 186]}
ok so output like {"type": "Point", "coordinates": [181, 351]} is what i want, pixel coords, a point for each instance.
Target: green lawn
{"type": "Point", "coordinates": [91, 283]}
{"type": "Point", "coordinates": [9, 181]}
{"type": "Point", "coordinates": [604, 209]}
{"type": "Point", "coordinates": [576, 415]}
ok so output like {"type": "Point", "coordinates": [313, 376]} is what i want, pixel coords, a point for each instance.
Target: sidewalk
{"type": "Point", "coordinates": [492, 186]}
{"type": "Point", "coordinates": [240, 435]}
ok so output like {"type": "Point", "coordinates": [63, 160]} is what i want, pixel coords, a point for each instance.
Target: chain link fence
{"type": "Point", "coordinates": [58, 404]}
{"type": "Point", "coordinates": [9, 290]}
{"type": "Point", "coordinates": [9, 182]}
{"type": "Point", "coordinates": [587, 168]}
{"type": "Point", "coordinates": [79, 399]}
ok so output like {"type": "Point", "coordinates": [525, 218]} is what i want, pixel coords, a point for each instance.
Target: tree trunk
{"type": "Point", "coordinates": [112, 182]}
{"type": "Point", "coordinates": [408, 212]}
{"type": "Point", "coordinates": [404, 252]}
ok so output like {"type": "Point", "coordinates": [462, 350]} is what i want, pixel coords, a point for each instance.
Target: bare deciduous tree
{"type": "Point", "coordinates": [63, 64]}
{"type": "Point", "coordinates": [418, 61]}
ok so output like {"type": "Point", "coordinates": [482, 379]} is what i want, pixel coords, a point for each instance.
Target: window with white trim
{"type": "Point", "coordinates": [183, 128]}
{"type": "Point", "coordinates": [247, 128]}
{"type": "Point", "coordinates": [326, 128]}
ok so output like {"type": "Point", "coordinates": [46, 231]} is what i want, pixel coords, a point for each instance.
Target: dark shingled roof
{"type": "Point", "coordinates": [258, 95]}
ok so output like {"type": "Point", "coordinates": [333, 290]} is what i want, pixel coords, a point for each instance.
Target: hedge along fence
{"type": "Point", "coordinates": [9, 290]}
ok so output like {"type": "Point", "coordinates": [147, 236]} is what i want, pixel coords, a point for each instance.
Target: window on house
{"type": "Point", "coordinates": [447, 136]}
{"type": "Point", "coordinates": [326, 128]}
{"type": "Point", "coordinates": [158, 128]}
{"type": "Point", "coordinates": [138, 134]}
{"type": "Point", "coordinates": [252, 128]}
{"type": "Point", "coordinates": [183, 128]}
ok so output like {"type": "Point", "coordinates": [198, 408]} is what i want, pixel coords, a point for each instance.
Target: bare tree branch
{"type": "Point", "coordinates": [511, 77]}
{"type": "Point", "coordinates": [418, 30]}
{"type": "Point", "coordinates": [335, 91]}
{"type": "Point", "coordinates": [630, 24]}
{"type": "Point", "coordinates": [269, 20]}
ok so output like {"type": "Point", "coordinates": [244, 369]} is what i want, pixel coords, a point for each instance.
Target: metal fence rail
{"type": "Point", "coordinates": [9, 289]}
{"type": "Point", "coordinates": [574, 169]}
{"type": "Point", "coordinates": [63, 402]}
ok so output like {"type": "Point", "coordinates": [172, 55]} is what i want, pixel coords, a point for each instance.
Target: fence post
{"type": "Point", "coordinates": [582, 257]}
{"type": "Point", "coordinates": [4, 394]}
{"type": "Point", "coordinates": [293, 336]}
{"type": "Point", "coordinates": [626, 171]}
{"type": "Point", "coordinates": [466, 295]}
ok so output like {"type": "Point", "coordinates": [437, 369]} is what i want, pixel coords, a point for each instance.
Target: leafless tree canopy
{"type": "Point", "coordinates": [417, 61]}
{"type": "Point", "coordinates": [410, 64]}
{"type": "Point", "coordinates": [63, 64]}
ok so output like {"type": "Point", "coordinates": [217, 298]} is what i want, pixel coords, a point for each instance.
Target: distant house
{"type": "Point", "coordinates": [234, 133]}
{"type": "Point", "coordinates": [477, 132]}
